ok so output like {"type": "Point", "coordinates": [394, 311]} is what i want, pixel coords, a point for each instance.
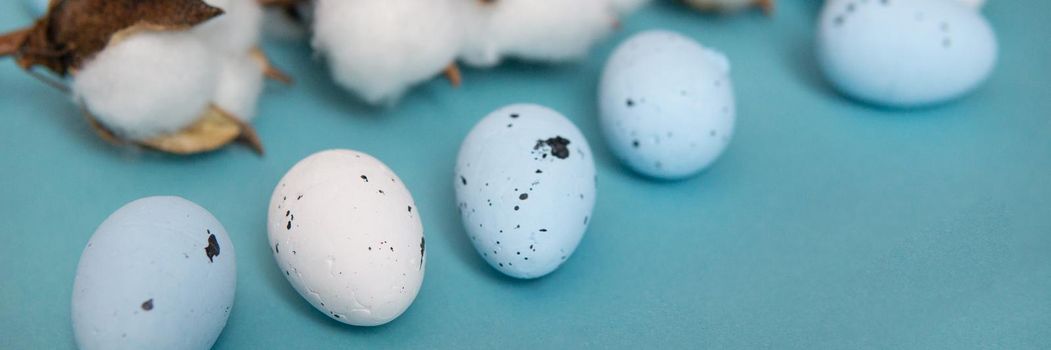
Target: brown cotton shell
{"type": "Point", "coordinates": [215, 128]}
{"type": "Point", "coordinates": [73, 31]}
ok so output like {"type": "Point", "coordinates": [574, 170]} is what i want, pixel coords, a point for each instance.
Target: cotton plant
{"type": "Point", "coordinates": [379, 49]}
{"type": "Point", "coordinates": [179, 76]}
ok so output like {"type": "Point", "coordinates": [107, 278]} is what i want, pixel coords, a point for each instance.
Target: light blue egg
{"type": "Point", "coordinates": [36, 8]}
{"type": "Point", "coordinates": [159, 273]}
{"type": "Point", "coordinates": [905, 53]}
{"type": "Point", "coordinates": [525, 186]}
{"type": "Point", "coordinates": [666, 104]}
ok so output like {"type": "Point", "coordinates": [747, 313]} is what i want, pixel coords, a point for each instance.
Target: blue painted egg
{"type": "Point", "coordinates": [525, 186]}
{"type": "Point", "coordinates": [159, 273]}
{"type": "Point", "coordinates": [666, 104]}
{"type": "Point", "coordinates": [905, 53]}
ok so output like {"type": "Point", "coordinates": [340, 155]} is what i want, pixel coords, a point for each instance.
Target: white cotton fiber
{"type": "Point", "coordinates": [379, 48]}
{"type": "Point", "coordinates": [627, 6]}
{"type": "Point", "coordinates": [537, 30]}
{"type": "Point", "coordinates": [237, 30]}
{"type": "Point", "coordinates": [147, 84]}
{"type": "Point", "coordinates": [240, 83]}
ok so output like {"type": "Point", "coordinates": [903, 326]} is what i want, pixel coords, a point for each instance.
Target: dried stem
{"type": "Point", "coordinates": [11, 42]}
{"type": "Point", "coordinates": [452, 72]}
{"type": "Point", "coordinates": [269, 70]}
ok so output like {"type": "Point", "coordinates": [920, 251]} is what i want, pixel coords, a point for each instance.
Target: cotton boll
{"type": "Point", "coordinates": [147, 84]}
{"type": "Point", "coordinates": [237, 30]}
{"type": "Point", "coordinates": [240, 83]}
{"type": "Point", "coordinates": [538, 30]}
{"type": "Point", "coordinates": [627, 6]}
{"type": "Point", "coordinates": [478, 49]}
{"type": "Point", "coordinates": [379, 48]}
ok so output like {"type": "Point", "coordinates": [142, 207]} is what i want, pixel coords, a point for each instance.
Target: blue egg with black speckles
{"type": "Point", "coordinates": [525, 186]}
{"type": "Point", "coordinates": [905, 53]}
{"type": "Point", "coordinates": [159, 273]}
{"type": "Point", "coordinates": [666, 104]}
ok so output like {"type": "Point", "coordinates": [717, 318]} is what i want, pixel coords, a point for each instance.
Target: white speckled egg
{"type": "Point", "coordinates": [525, 184]}
{"type": "Point", "coordinates": [666, 104]}
{"type": "Point", "coordinates": [159, 273]}
{"type": "Point", "coordinates": [346, 233]}
{"type": "Point", "coordinates": [905, 53]}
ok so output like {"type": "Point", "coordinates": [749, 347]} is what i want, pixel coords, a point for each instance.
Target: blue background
{"type": "Point", "coordinates": [827, 224]}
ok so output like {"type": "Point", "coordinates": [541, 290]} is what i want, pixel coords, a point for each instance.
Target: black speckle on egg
{"type": "Point", "coordinates": [629, 103]}
{"type": "Point", "coordinates": [366, 178]}
{"type": "Point", "coordinates": [557, 145]}
{"type": "Point", "coordinates": [543, 230]}
{"type": "Point", "coordinates": [516, 208]}
{"type": "Point", "coordinates": [514, 115]}
{"type": "Point", "coordinates": [212, 250]}
{"type": "Point", "coordinates": [463, 180]}
{"type": "Point", "coordinates": [410, 208]}
{"type": "Point", "coordinates": [423, 248]}
{"type": "Point", "coordinates": [523, 196]}
{"type": "Point", "coordinates": [635, 143]}
{"type": "Point", "coordinates": [147, 305]}
{"type": "Point", "coordinates": [538, 171]}
{"type": "Point", "coordinates": [277, 248]}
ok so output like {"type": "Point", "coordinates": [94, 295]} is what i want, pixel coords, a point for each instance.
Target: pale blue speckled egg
{"type": "Point", "coordinates": [525, 186]}
{"type": "Point", "coordinates": [666, 104]}
{"type": "Point", "coordinates": [905, 53]}
{"type": "Point", "coordinates": [159, 273]}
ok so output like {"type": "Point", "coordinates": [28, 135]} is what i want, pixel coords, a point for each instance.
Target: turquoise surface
{"type": "Point", "coordinates": [827, 224]}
